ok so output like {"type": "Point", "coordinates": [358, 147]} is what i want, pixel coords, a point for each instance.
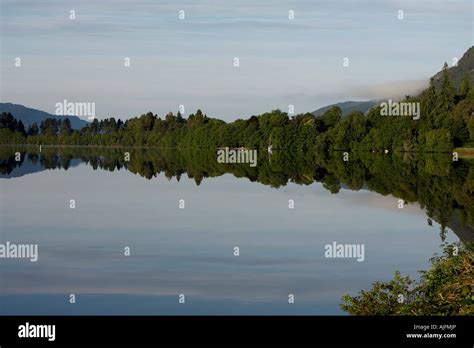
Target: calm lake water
{"type": "Point", "coordinates": [190, 251]}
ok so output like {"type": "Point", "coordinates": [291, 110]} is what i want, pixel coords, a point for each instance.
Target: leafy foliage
{"type": "Point", "coordinates": [447, 288]}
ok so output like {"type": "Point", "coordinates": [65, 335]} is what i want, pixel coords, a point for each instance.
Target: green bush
{"type": "Point", "coordinates": [447, 288]}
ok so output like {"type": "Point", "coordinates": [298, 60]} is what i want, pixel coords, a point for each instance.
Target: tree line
{"type": "Point", "coordinates": [446, 122]}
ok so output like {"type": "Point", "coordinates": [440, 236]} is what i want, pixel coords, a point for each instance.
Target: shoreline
{"type": "Point", "coordinates": [464, 152]}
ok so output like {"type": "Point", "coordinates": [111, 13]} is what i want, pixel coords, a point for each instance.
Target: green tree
{"type": "Point", "coordinates": [66, 128]}
{"type": "Point", "coordinates": [447, 92]}
{"type": "Point", "coordinates": [21, 128]}
{"type": "Point", "coordinates": [33, 129]}
{"type": "Point", "coordinates": [332, 117]}
{"type": "Point", "coordinates": [465, 86]}
{"type": "Point", "coordinates": [439, 140]}
{"type": "Point", "coordinates": [470, 126]}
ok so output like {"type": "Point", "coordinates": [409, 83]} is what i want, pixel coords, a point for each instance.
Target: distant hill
{"type": "Point", "coordinates": [29, 115]}
{"type": "Point", "coordinates": [456, 73]}
{"type": "Point", "coordinates": [348, 106]}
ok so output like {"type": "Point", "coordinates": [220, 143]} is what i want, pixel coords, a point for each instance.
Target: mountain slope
{"type": "Point", "coordinates": [29, 115]}
{"type": "Point", "coordinates": [348, 106]}
{"type": "Point", "coordinates": [456, 73]}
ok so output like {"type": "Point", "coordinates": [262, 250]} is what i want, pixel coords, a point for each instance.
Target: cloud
{"type": "Point", "coordinates": [394, 90]}
{"type": "Point", "coordinates": [390, 90]}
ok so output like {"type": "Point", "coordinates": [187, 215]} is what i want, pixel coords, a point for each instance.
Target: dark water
{"type": "Point", "coordinates": [190, 251]}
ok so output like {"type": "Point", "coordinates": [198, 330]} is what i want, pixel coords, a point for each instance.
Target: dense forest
{"type": "Point", "coordinates": [446, 122]}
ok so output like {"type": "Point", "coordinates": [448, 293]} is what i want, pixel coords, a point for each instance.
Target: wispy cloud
{"type": "Point", "coordinates": [395, 90]}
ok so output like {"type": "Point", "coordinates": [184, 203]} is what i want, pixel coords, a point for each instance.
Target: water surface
{"type": "Point", "coordinates": [190, 251]}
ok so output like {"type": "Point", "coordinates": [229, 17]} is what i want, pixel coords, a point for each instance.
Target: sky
{"type": "Point", "coordinates": [190, 61]}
